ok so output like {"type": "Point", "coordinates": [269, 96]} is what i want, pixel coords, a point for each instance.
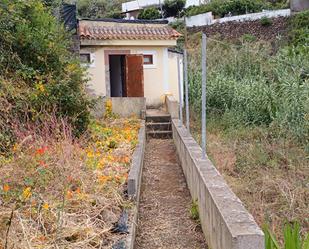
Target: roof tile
{"type": "Point", "coordinates": [89, 30]}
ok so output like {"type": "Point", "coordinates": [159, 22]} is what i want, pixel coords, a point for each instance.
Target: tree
{"type": "Point", "coordinates": [149, 14]}
{"type": "Point", "coordinates": [99, 8]}
{"type": "Point", "coordinates": [173, 7]}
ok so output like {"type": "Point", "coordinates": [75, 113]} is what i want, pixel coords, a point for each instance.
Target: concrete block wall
{"type": "Point", "coordinates": [172, 106]}
{"type": "Point", "coordinates": [134, 185]}
{"type": "Point", "coordinates": [225, 221]}
{"type": "Point", "coordinates": [122, 106]}
{"type": "Point", "coordinates": [207, 18]}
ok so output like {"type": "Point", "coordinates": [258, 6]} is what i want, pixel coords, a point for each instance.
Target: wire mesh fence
{"type": "Point", "coordinates": [250, 83]}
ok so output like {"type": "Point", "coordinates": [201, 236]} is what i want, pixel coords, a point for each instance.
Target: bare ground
{"type": "Point", "coordinates": [164, 213]}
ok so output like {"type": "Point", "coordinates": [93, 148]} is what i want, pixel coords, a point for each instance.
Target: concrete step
{"type": "Point", "coordinates": [157, 116]}
{"type": "Point", "coordinates": [160, 134]}
{"type": "Point", "coordinates": [158, 119]}
{"type": "Point", "coordinates": [165, 126]}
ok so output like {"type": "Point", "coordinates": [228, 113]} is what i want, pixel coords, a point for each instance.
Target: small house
{"type": "Point", "coordinates": [131, 58]}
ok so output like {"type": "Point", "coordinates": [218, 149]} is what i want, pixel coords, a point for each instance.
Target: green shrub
{"type": "Point", "coordinates": [99, 8]}
{"type": "Point", "coordinates": [173, 7]}
{"type": "Point", "coordinates": [299, 28]}
{"type": "Point", "coordinates": [149, 14]}
{"type": "Point", "coordinates": [265, 21]}
{"type": "Point", "coordinates": [249, 38]}
{"type": "Point", "coordinates": [254, 88]}
{"type": "Point", "coordinates": [194, 213]}
{"type": "Point", "coordinates": [292, 238]}
{"type": "Point", "coordinates": [38, 73]}
{"type": "Point", "coordinates": [221, 8]}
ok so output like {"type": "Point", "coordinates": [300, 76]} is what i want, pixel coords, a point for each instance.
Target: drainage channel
{"type": "Point", "coordinates": [165, 202]}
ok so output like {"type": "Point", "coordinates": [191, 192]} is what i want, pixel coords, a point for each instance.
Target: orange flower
{"type": "Point", "coordinates": [41, 151]}
{"type": "Point", "coordinates": [42, 163]}
{"type": "Point", "coordinates": [45, 206]}
{"type": "Point", "coordinates": [78, 191]}
{"type": "Point", "coordinates": [6, 188]}
{"type": "Point", "coordinates": [103, 179]}
{"type": "Point", "coordinates": [69, 194]}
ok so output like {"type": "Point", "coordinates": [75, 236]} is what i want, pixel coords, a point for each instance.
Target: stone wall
{"type": "Point", "coordinates": [233, 30]}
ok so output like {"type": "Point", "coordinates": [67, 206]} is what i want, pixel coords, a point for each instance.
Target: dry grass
{"type": "Point", "coordinates": [270, 175]}
{"type": "Point", "coordinates": [57, 192]}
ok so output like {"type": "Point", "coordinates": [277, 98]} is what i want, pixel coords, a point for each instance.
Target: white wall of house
{"type": "Point", "coordinates": [141, 4]}
{"type": "Point", "coordinates": [160, 79]}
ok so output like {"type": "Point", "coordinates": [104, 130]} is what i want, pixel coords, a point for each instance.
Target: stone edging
{"type": "Point", "coordinates": [225, 221]}
{"type": "Point", "coordinates": [134, 184]}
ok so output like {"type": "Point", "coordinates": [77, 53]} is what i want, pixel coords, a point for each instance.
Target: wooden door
{"type": "Point", "coordinates": [134, 75]}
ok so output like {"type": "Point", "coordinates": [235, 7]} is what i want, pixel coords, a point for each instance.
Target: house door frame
{"type": "Point", "coordinates": [107, 53]}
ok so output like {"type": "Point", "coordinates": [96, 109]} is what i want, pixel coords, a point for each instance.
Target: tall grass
{"type": "Point", "coordinates": [292, 238]}
{"type": "Point", "coordinates": [250, 85]}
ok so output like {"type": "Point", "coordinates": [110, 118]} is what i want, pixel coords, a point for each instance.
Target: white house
{"type": "Point", "coordinates": [130, 58]}
{"type": "Point", "coordinates": [132, 8]}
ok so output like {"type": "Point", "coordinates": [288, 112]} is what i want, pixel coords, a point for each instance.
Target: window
{"type": "Point", "coordinates": [148, 59]}
{"type": "Point", "coordinates": [85, 58]}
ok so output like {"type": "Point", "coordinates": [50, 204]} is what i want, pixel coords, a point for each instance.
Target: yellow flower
{"type": "Point", "coordinates": [45, 206]}
{"type": "Point", "coordinates": [40, 87]}
{"type": "Point", "coordinates": [15, 147]}
{"type": "Point", "coordinates": [27, 193]}
{"type": "Point", "coordinates": [90, 154]}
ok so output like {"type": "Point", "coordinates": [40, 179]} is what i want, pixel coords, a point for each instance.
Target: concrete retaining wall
{"type": "Point", "coordinates": [122, 106]}
{"type": "Point", "coordinates": [172, 106]}
{"type": "Point", "coordinates": [207, 18]}
{"type": "Point", "coordinates": [134, 183]}
{"type": "Point", "coordinates": [135, 174]}
{"type": "Point", "coordinates": [225, 222]}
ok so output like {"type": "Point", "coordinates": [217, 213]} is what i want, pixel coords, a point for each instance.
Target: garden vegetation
{"type": "Point", "coordinates": [220, 8]}
{"type": "Point", "coordinates": [38, 73]}
{"type": "Point", "coordinates": [258, 120]}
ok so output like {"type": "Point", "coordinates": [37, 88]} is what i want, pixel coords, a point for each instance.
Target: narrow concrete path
{"type": "Point", "coordinates": [164, 213]}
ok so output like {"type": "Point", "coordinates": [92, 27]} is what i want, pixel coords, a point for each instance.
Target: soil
{"type": "Point", "coordinates": [235, 30]}
{"type": "Point", "coordinates": [164, 212]}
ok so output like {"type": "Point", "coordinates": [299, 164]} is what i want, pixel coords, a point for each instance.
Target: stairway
{"type": "Point", "coordinates": [158, 124]}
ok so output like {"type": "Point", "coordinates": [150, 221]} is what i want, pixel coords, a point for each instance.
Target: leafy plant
{"type": "Point", "coordinates": [299, 28]}
{"type": "Point", "coordinates": [39, 75]}
{"type": "Point", "coordinates": [173, 7]}
{"type": "Point", "coordinates": [194, 211]}
{"type": "Point", "coordinates": [221, 8]}
{"type": "Point", "coordinates": [100, 8]}
{"type": "Point", "coordinates": [292, 238]}
{"type": "Point", "coordinates": [149, 14]}
{"type": "Point", "coordinates": [265, 21]}
{"type": "Point", "coordinates": [253, 88]}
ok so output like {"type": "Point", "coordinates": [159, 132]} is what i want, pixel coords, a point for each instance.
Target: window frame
{"type": "Point", "coordinates": [150, 56]}
{"type": "Point", "coordinates": [91, 57]}
{"type": "Point", "coordinates": [152, 53]}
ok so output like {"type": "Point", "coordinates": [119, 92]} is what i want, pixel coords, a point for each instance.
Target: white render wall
{"type": "Point", "coordinates": [141, 4]}
{"type": "Point", "coordinates": [207, 18]}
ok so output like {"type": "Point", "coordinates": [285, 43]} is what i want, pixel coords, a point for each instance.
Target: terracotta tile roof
{"type": "Point", "coordinates": [109, 30]}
